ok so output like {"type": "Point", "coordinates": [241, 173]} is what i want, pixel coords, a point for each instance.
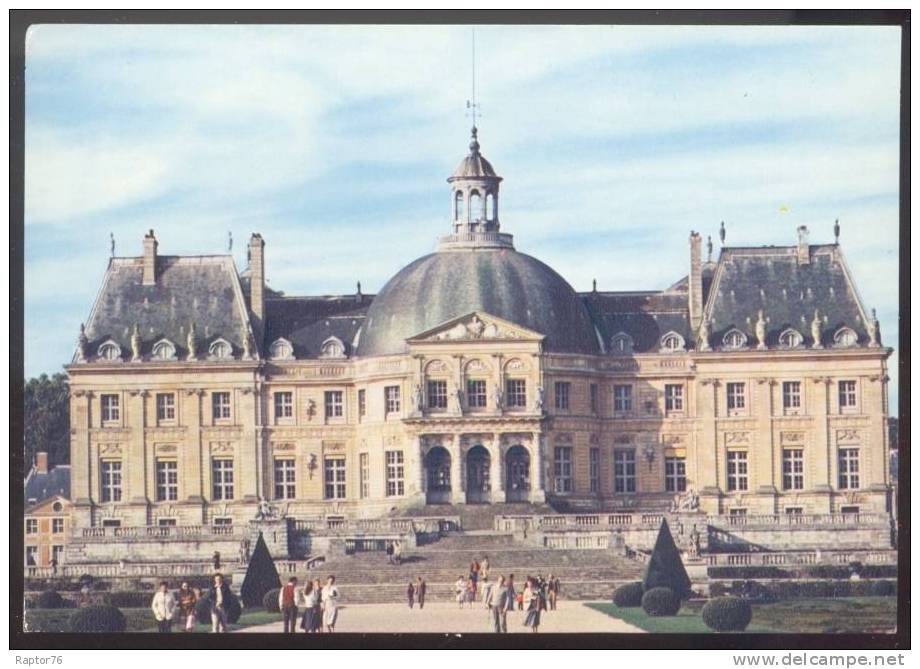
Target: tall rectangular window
{"type": "Point", "coordinates": [166, 407]}
{"type": "Point", "coordinates": [285, 477]}
{"type": "Point", "coordinates": [222, 478]}
{"type": "Point", "coordinates": [284, 405]}
{"type": "Point", "coordinates": [562, 389]}
{"type": "Point", "coordinates": [362, 403]}
{"type": "Point", "coordinates": [594, 469]}
{"type": "Point", "coordinates": [396, 486]}
{"type": "Point", "coordinates": [675, 474]}
{"type": "Point", "coordinates": [592, 393]}
{"type": "Point", "coordinates": [622, 398]}
{"type": "Point", "coordinates": [220, 405]}
{"type": "Point", "coordinates": [437, 394]}
{"type": "Point", "coordinates": [334, 477]}
{"type": "Point", "coordinates": [848, 468]}
{"type": "Point", "coordinates": [57, 553]}
{"type": "Point", "coordinates": [31, 525]}
{"type": "Point", "coordinates": [391, 398]}
{"type": "Point", "coordinates": [111, 409]}
{"type": "Point", "coordinates": [846, 392]}
{"type": "Point", "coordinates": [167, 477]}
{"type": "Point", "coordinates": [624, 470]}
{"type": "Point", "coordinates": [31, 556]}
{"type": "Point", "coordinates": [734, 395]}
{"type": "Point", "coordinates": [673, 398]}
{"type": "Point", "coordinates": [562, 469]}
{"type": "Point", "coordinates": [110, 479]}
{"type": "Point", "coordinates": [516, 393]}
{"type": "Point", "coordinates": [792, 396]}
{"type": "Point", "coordinates": [793, 469]}
{"type": "Point", "coordinates": [364, 470]}
{"type": "Point", "coordinates": [737, 470]}
{"type": "Point", "coordinates": [476, 393]}
{"type": "Point", "coordinates": [334, 404]}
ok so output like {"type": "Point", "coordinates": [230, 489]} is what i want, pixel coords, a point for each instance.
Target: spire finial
{"type": "Point", "coordinates": [709, 247]}
{"type": "Point", "coordinates": [722, 233]}
{"type": "Point", "coordinates": [836, 230]}
{"type": "Point", "coordinates": [472, 107]}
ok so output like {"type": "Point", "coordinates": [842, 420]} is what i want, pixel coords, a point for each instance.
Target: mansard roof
{"type": "Point", "coordinates": [307, 322]}
{"type": "Point", "coordinates": [645, 316]}
{"type": "Point", "coordinates": [204, 290]}
{"type": "Point", "coordinates": [40, 486]}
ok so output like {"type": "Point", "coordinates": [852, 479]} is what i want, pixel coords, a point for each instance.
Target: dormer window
{"type": "Point", "coordinates": [332, 348]}
{"type": "Point", "coordinates": [734, 340]}
{"type": "Point", "coordinates": [282, 350]}
{"type": "Point", "coordinates": [220, 350]}
{"type": "Point", "coordinates": [109, 351]}
{"type": "Point", "coordinates": [671, 343]}
{"type": "Point", "coordinates": [164, 350]}
{"type": "Point", "coordinates": [621, 344]}
{"type": "Point", "coordinates": [845, 337]}
{"type": "Point", "coordinates": [790, 339]}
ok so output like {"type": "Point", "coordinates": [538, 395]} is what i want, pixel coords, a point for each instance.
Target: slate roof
{"type": "Point", "coordinates": [204, 290]}
{"type": "Point", "coordinates": [40, 486]}
{"type": "Point", "coordinates": [770, 278]}
{"type": "Point", "coordinates": [307, 322]}
{"type": "Point", "coordinates": [644, 316]}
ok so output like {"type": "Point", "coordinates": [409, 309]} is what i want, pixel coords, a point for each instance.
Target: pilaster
{"type": "Point", "coordinates": [137, 461]}
{"type": "Point", "coordinates": [81, 466]}
{"type": "Point", "coordinates": [192, 455]}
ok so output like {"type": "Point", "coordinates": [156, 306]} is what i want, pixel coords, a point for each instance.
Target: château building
{"type": "Point", "coordinates": [477, 375]}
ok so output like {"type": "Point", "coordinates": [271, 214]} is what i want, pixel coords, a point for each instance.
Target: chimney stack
{"type": "Point", "coordinates": [41, 462]}
{"type": "Point", "coordinates": [150, 259]}
{"type": "Point", "coordinates": [696, 280]}
{"type": "Point", "coordinates": [257, 278]}
{"type": "Point", "coordinates": [802, 253]}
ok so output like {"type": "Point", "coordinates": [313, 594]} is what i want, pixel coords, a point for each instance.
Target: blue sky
{"type": "Point", "coordinates": [335, 142]}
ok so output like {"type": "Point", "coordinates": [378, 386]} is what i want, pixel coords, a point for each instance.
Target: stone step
{"type": "Point", "coordinates": [444, 592]}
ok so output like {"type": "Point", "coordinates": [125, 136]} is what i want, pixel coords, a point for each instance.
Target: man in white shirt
{"type": "Point", "coordinates": [163, 607]}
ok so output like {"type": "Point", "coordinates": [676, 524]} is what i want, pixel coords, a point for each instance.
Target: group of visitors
{"type": "Point", "coordinates": [320, 605]}
{"type": "Point", "coordinates": [394, 552]}
{"type": "Point", "coordinates": [416, 591]}
{"type": "Point", "coordinates": [538, 595]}
{"type": "Point", "coordinates": [168, 607]}
{"type": "Point", "coordinates": [466, 587]}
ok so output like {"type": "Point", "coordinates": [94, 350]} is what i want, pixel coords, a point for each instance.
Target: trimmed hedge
{"type": "Point", "coordinates": [750, 572]}
{"type": "Point", "coordinates": [726, 614]}
{"type": "Point", "coordinates": [270, 601]}
{"type": "Point", "coordinates": [49, 599]}
{"type": "Point", "coordinates": [780, 590]}
{"type": "Point", "coordinates": [883, 588]}
{"type": "Point", "coordinates": [231, 606]}
{"type": "Point", "coordinates": [804, 571]}
{"type": "Point", "coordinates": [129, 600]}
{"type": "Point", "coordinates": [660, 602]}
{"type": "Point", "coordinates": [717, 590]}
{"type": "Point", "coordinates": [102, 618]}
{"type": "Point", "coordinates": [628, 595]}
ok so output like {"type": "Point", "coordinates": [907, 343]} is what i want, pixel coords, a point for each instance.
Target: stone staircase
{"type": "Point", "coordinates": [368, 578]}
{"type": "Point", "coordinates": [478, 516]}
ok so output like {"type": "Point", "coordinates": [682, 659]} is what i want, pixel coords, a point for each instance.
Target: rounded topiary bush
{"type": "Point", "coordinates": [270, 600]}
{"type": "Point", "coordinates": [49, 599]}
{"type": "Point", "coordinates": [660, 602]}
{"type": "Point", "coordinates": [102, 618]}
{"type": "Point", "coordinates": [231, 605]}
{"type": "Point", "coordinates": [883, 588]}
{"type": "Point", "coordinates": [717, 589]}
{"type": "Point", "coordinates": [727, 614]}
{"type": "Point", "coordinates": [628, 595]}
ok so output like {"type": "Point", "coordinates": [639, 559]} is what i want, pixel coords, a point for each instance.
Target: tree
{"type": "Point", "coordinates": [46, 418]}
{"type": "Point", "coordinates": [665, 569]}
{"type": "Point", "coordinates": [261, 576]}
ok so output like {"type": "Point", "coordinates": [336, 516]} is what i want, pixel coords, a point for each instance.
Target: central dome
{"type": "Point", "coordinates": [510, 285]}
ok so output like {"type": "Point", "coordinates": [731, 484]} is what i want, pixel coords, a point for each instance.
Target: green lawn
{"type": "Point", "coordinates": [802, 616]}
{"type": "Point", "coordinates": [139, 620]}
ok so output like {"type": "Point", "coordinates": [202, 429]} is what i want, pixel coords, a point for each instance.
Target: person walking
{"type": "Point", "coordinates": [163, 607]}
{"type": "Point", "coordinates": [318, 607]}
{"type": "Point", "coordinates": [330, 604]}
{"type": "Point", "coordinates": [510, 597]}
{"type": "Point", "coordinates": [397, 553]}
{"type": "Point", "coordinates": [474, 574]}
{"type": "Point", "coordinates": [484, 567]}
{"type": "Point", "coordinates": [552, 591]}
{"type": "Point", "coordinates": [420, 590]}
{"type": "Point", "coordinates": [187, 601]}
{"type": "Point", "coordinates": [497, 597]}
{"type": "Point", "coordinates": [532, 599]}
{"type": "Point", "coordinates": [389, 552]}
{"type": "Point", "coordinates": [287, 603]}
{"type": "Point", "coordinates": [486, 591]}
{"type": "Point", "coordinates": [309, 606]}
{"type": "Point", "coordinates": [470, 592]}
{"type": "Point", "coordinates": [410, 594]}
{"type": "Point", "coordinates": [219, 595]}
{"type": "Point", "coordinates": [460, 590]}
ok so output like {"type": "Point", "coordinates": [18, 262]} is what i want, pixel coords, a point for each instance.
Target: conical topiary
{"type": "Point", "coordinates": [261, 576]}
{"type": "Point", "coordinates": [665, 569]}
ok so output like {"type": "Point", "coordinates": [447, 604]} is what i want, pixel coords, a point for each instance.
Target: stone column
{"type": "Point", "coordinates": [457, 493]}
{"type": "Point", "coordinates": [537, 484]}
{"type": "Point", "coordinates": [419, 460]}
{"type": "Point", "coordinates": [496, 471]}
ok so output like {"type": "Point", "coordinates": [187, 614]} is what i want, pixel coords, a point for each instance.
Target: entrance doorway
{"type": "Point", "coordinates": [517, 464]}
{"type": "Point", "coordinates": [478, 483]}
{"type": "Point", "coordinates": [437, 467]}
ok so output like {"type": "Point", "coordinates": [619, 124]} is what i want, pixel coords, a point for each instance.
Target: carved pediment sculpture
{"type": "Point", "coordinates": [476, 326]}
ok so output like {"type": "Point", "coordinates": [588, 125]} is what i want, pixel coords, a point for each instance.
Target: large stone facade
{"type": "Point", "coordinates": [756, 385]}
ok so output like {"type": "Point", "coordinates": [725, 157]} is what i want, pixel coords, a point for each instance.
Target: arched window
{"type": "Point", "coordinates": [164, 350]}
{"type": "Point", "coordinates": [220, 350]}
{"type": "Point", "coordinates": [734, 339]}
{"type": "Point", "coordinates": [458, 205]}
{"type": "Point", "coordinates": [790, 338]}
{"type": "Point", "coordinates": [490, 206]}
{"type": "Point", "coordinates": [845, 337]}
{"type": "Point", "coordinates": [282, 350]}
{"type": "Point", "coordinates": [621, 344]}
{"type": "Point", "coordinates": [672, 342]}
{"type": "Point", "coordinates": [332, 348]}
{"type": "Point", "coordinates": [475, 206]}
{"type": "Point", "coordinates": [109, 351]}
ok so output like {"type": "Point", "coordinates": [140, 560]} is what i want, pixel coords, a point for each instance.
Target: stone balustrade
{"type": "Point", "coordinates": [427, 524]}
{"type": "Point", "coordinates": [790, 519]}
{"type": "Point", "coordinates": [791, 558]}
{"type": "Point", "coordinates": [146, 532]}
